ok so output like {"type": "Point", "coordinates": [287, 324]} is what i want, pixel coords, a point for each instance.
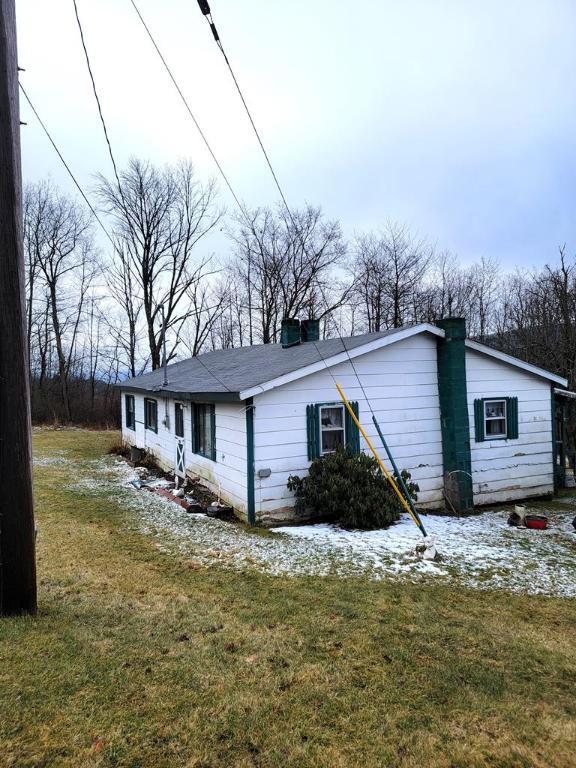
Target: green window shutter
{"type": "Point", "coordinates": [213, 432]}
{"type": "Point", "coordinates": [479, 420]}
{"type": "Point", "coordinates": [351, 430]}
{"type": "Point", "coordinates": [512, 417]}
{"type": "Point", "coordinates": [313, 431]}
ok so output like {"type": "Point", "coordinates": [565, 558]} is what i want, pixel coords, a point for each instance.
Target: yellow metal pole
{"type": "Point", "coordinates": [387, 474]}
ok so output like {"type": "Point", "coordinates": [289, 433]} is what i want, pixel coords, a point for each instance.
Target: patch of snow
{"type": "Point", "coordinates": [480, 551]}
{"type": "Point", "coordinates": [48, 461]}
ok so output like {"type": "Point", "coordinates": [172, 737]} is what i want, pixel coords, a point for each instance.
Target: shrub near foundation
{"type": "Point", "coordinates": [349, 489]}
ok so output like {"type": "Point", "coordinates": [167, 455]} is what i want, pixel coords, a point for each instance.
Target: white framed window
{"type": "Point", "coordinates": [332, 429]}
{"type": "Point", "coordinates": [495, 419]}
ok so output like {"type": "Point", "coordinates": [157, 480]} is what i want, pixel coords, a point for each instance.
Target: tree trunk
{"type": "Point", "coordinates": [62, 367]}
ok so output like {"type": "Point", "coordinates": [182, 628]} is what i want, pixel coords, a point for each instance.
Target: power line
{"type": "Point", "coordinates": [196, 313]}
{"type": "Point", "coordinates": [188, 108]}
{"type": "Point", "coordinates": [207, 13]}
{"type": "Point", "coordinates": [66, 166]}
{"type": "Point", "coordinates": [94, 89]}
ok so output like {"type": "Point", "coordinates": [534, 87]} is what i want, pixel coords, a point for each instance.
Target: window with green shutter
{"type": "Point", "coordinates": [329, 426]}
{"type": "Point", "coordinates": [151, 414]}
{"type": "Point", "coordinates": [204, 430]}
{"type": "Point", "coordinates": [130, 409]}
{"type": "Point", "coordinates": [496, 418]}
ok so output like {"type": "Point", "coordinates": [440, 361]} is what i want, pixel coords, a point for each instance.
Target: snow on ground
{"type": "Point", "coordinates": [480, 551]}
{"type": "Point", "coordinates": [55, 458]}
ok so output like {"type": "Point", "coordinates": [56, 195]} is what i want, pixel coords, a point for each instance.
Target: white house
{"type": "Point", "coordinates": [472, 425]}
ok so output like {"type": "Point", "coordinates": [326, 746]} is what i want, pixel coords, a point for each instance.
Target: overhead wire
{"type": "Point", "coordinates": [207, 13]}
{"type": "Point", "coordinates": [188, 108]}
{"type": "Point", "coordinates": [80, 189]}
{"type": "Point", "coordinates": [111, 153]}
{"type": "Point", "coordinates": [91, 207]}
{"type": "Point", "coordinates": [66, 166]}
{"type": "Point", "coordinates": [95, 91]}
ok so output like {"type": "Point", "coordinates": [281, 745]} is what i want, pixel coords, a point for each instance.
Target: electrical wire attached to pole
{"type": "Point", "coordinates": [66, 166]}
{"type": "Point", "coordinates": [188, 108]}
{"type": "Point", "coordinates": [403, 494]}
{"type": "Point", "coordinates": [207, 13]}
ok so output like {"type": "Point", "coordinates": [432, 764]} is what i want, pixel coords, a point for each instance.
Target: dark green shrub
{"type": "Point", "coordinates": [350, 490]}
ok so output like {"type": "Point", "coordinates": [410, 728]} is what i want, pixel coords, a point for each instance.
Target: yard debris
{"type": "Point", "coordinates": [160, 483]}
{"type": "Point", "coordinates": [184, 503]}
{"type": "Point", "coordinates": [195, 506]}
{"type": "Point", "coordinates": [426, 550]}
{"type": "Point", "coordinates": [536, 522]}
{"type": "Point", "coordinates": [520, 518]}
{"type": "Point", "coordinates": [220, 511]}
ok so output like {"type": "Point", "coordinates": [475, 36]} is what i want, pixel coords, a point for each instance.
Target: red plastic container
{"type": "Point", "coordinates": [538, 522]}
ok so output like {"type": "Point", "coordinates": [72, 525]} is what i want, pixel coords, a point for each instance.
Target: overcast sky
{"type": "Point", "coordinates": [455, 117]}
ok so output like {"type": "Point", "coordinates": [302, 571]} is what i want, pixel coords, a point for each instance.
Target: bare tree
{"type": "Point", "coordinates": [389, 269]}
{"type": "Point", "coordinates": [286, 265]}
{"type": "Point", "coordinates": [59, 241]}
{"type": "Point", "coordinates": [160, 216]}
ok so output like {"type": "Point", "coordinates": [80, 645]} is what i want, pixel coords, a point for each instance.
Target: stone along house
{"type": "Point", "coordinates": [472, 425]}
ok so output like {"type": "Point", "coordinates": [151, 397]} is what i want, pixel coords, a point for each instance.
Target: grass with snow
{"type": "Point", "coordinates": [165, 639]}
{"type": "Point", "coordinates": [479, 551]}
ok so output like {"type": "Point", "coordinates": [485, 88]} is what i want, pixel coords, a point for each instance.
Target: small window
{"type": "Point", "coordinates": [494, 419]}
{"type": "Point", "coordinates": [330, 426]}
{"type": "Point", "coordinates": [332, 434]}
{"type": "Point", "coordinates": [151, 414]}
{"type": "Point", "coordinates": [204, 430]}
{"type": "Point", "coordinates": [130, 411]}
{"type": "Point", "coordinates": [179, 419]}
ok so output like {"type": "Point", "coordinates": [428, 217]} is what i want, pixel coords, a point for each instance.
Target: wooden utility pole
{"type": "Point", "coordinates": [17, 557]}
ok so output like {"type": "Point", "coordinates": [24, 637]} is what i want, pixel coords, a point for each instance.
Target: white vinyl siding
{"type": "Point", "coordinates": [502, 469]}
{"type": "Point", "coordinates": [401, 382]}
{"type": "Point", "coordinates": [227, 475]}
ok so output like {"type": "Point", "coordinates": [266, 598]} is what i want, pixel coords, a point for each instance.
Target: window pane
{"type": "Point", "coordinates": [201, 429]}
{"type": "Point", "coordinates": [179, 420]}
{"type": "Point", "coordinates": [332, 439]}
{"type": "Point", "coordinates": [152, 413]}
{"type": "Point", "coordinates": [495, 409]}
{"type": "Point", "coordinates": [332, 417]}
{"type": "Point", "coordinates": [496, 427]}
{"type": "Point", "coordinates": [130, 416]}
{"type": "Point", "coordinates": [208, 432]}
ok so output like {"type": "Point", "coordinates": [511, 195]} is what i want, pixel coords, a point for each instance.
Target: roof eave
{"type": "Point", "coordinates": [195, 397]}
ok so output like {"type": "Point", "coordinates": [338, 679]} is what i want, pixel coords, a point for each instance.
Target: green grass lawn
{"type": "Point", "coordinates": [139, 657]}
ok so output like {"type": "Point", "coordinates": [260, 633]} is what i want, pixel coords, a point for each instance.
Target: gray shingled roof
{"type": "Point", "coordinates": [230, 371]}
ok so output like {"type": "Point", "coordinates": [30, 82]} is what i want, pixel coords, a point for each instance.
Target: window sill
{"type": "Point", "coordinates": [209, 458]}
